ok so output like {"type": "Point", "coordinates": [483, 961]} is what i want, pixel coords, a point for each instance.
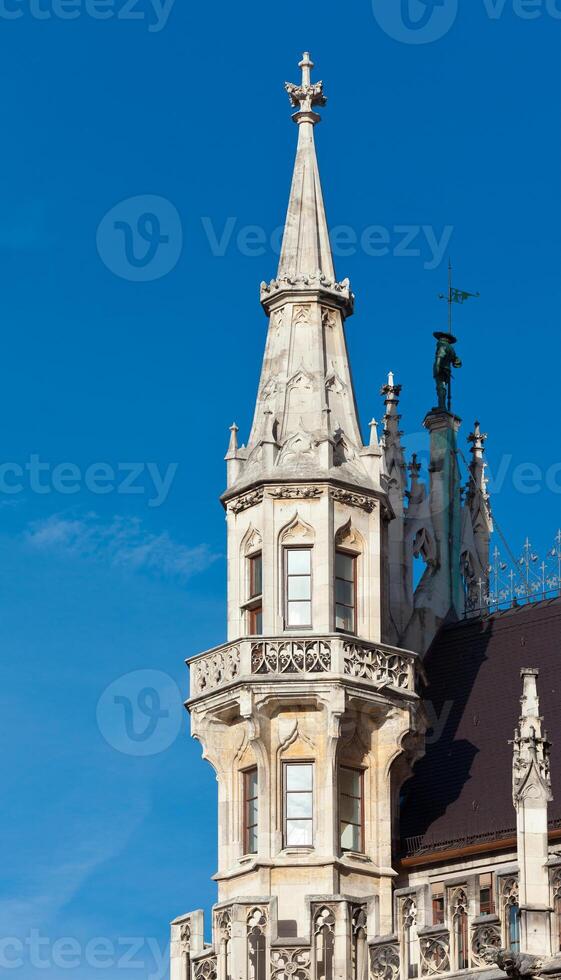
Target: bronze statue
{"type": "Point", "coordinates": [445, 359]}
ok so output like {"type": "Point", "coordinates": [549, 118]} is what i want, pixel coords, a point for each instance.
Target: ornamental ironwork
{"type": "Point", "coordinates": [377, 665]}
{"type": "Point", "coordinates": [515, 581]}
{"type": "Point", "coordinates": [291, 657]}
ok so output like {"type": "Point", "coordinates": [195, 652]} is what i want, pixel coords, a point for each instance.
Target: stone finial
{"type": "Point", "coordinates": [478, 440]}
{"type": "Point", "coordinates": [306, 95]}
{"type": "Point", "coordinates": [233, 444]}
{"type": "Point", "coordinates": [531, 772]}
{"type": "Point", "coordinates": [373, 424]}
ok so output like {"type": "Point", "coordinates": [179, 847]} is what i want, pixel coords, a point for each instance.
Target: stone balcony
{"type": "Point", "coordinates": [333, 656]}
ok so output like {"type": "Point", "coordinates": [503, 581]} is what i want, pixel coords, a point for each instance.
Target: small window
{"type": "Point", "coordinates": [255, 575]}
{"type": "Point", "coordinates": [298, 804]}
{"type": "Point", "coordinates": [513, 927]}
{"type": "Point", "coordinates": [486, 901]}
{"type": "Point", "coordinates": [437, 904]}
{"type": "Point", "coordinates": [345, 592]}
{"type": "Point", "coordinates": [298, 587]}
{"type": "Point", "coordinates": [254, 607]}
{"type": "Point", "coordinates": [351, 809]}
{"type": "Point", "coordinates": [255, 620]}
{"type": "Point", "coordinates": [251, 804]}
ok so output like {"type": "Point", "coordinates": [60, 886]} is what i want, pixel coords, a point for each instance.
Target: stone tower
{"type": "Point", "coordinates": [310, 721]}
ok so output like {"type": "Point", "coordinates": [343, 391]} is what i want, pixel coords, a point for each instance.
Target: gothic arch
{"type": "Point", "coordinates": [349, 538]}
{"type": "Point", "coordinates": [297, 532]}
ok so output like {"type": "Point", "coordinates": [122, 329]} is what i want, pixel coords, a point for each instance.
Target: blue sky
{"type": "Point", "coordinates": [110, 359]}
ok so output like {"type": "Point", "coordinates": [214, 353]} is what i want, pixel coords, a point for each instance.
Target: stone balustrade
{"type": "Point", "coordinates": [334, 654]}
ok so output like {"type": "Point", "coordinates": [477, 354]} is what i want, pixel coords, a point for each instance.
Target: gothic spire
{"type": "Point", "coordinates": [306, 250]}
{"type": "Point", "coordinates": [306, 423]}
{"type": "Point", "coordinates": [393, 450]}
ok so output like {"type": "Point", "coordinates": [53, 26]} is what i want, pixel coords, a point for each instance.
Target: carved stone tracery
{"type": "Point", "coordinates": [485, 940]}
{"type": "Point", "coordinates": [376, 665]}
{"type": "Point", "coordinates": [384, 962]}
{"type": "Point", "coordinates": [290, 657]}
{"type": "Point", "coordinates": [206, 969]}
{"type": "Point", "coordinates": [291, 964]}
{"type": "Point", "coordinates": [435, 956]}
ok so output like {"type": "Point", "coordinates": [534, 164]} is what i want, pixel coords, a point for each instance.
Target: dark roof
{"type": "Point", "coordinates": [462, 788]}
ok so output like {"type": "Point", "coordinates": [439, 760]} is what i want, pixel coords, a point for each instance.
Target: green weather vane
{"type": "Point", "coordinates": [446, 357]}
{"type": "Point", "coordinates": [455, 296]}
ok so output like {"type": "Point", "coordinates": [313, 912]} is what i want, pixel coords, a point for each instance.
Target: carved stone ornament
{"type": "Point", "coordinates": [384, 962]}
{"type": "Point", "coordinates": [435, 956]}
{"type": "Point", "coordinates": [291, 963]}
{"type": "Point", "coordinates": [185, 936]}
{"type": "Point", "coordinates": [353, 499]}
{"type": "Point", "coordinates": [295, 493]}
{"type": "Point", "coordinates": [216, 670]}
{"type": "Point", "coordinates": [328, 317]}
{"type": "Point", "coordinates": [485, 943]}
{"type": "Point", "coordinates": [248, 500]}
{"type": "Point", "coordinates": [517, 965]}
{"type": "Point", "coordinates": [377, 665]}
{"type": "Point", "coordinates": [290, 657]}
{"type": "Point", "coordinates": [205, 969]}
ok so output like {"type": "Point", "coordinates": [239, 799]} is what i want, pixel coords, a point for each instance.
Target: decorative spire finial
{"type": "Point", "coordinates": [233, 444]}
{"type": "Point", "coordinates": [373, 432]}
{"type": "Point", "coordinates": [531, 775]}
{"type": "Point", "coordinates": [307, 95]}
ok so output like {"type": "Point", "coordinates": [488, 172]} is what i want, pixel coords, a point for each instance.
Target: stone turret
{"type": "Point", "coordinates": [309, 719]}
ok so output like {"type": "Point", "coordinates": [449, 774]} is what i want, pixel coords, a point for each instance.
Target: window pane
{"type": "Point", "coordinates": [299, 806]}
{"type": "Point", "coordinates": [251, 812]}
{"type": "Point", "coordinates": [299, 613]}
{"type": "Point", "coordinates": [344, 591]}
{"type": "Point", "coordinates": [350, 809]}
{"type": "Point", "coordinates": [344, 618]}
{"type": "Point", "coordinates": [298, 561]}
{"type": "Point", "coordinates": [256, 575]}
{"type": "Point", "coordinates": [344, 566]}
{"type": "Point", "coordinates": [350, 837]}
{"type": "Point", "coordinates": [252, 840]}
{"type": "Point", "coordinates": [299, 777]}
{"type": "Point", "coordinates": [251, 783]}
{"type": "Point", "coordinates": [299, 833]}
{"type": "Point", "coordinates": [350, 782]}
{"type": "Point", "coordinates": [299, 587]}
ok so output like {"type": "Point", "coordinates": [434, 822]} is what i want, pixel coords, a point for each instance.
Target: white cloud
{"type": "Point", "coordinates": [122, 542]}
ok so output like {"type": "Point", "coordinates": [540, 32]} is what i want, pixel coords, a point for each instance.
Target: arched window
{"type": "Point", "coordinates": [410, 938]}
{"type": "Point", "coordinates": [257, 944]}
{"type": "Point", "coordinates": [460, 923]}
{"type": "Point", "coordinates": [324, 934]}
{"type": "Point", "coordinates": [359, 949]}
{"type": "Point", "coordinates": [511, 914]}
